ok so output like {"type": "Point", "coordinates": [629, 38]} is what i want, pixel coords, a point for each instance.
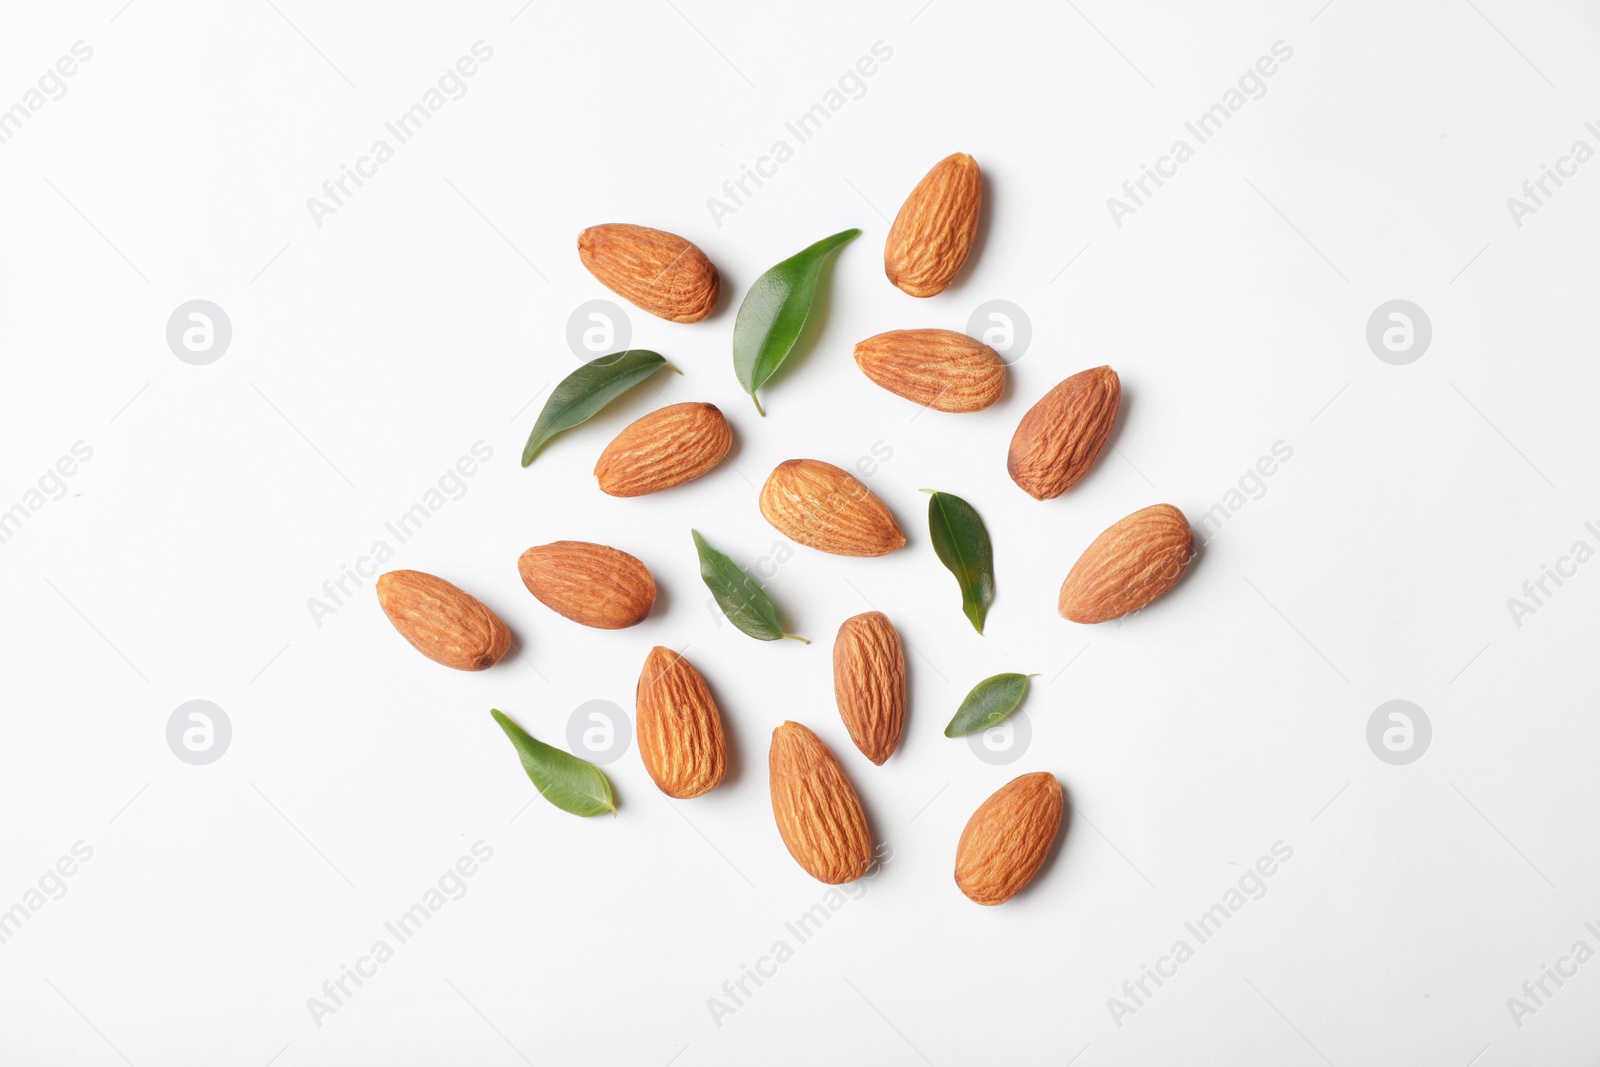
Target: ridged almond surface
{"type": "Point", "coordinates": [667, 447]}
{"type": "Point", "coordinates": [816, 808]}
{"type": "Point", "coordinates": [869, 683]}
{"type": "Point", "coordinates": [1060, 436]}
{"type": "Point", "coordinates": [680, 730]}
{"type": "Point", "coordinates": [937, 224]}
{"type": "Point", "coordinates": [593, 584]}
{"type": "Point", "coordinates": [940, 369]}
{"type": "Point", "coordinates": [651, 269]}
{"type": "Point", "coordinates": [1129, 565]}
{"type": "Point", "coordinates": [825, 508]}
{"type": "Point", "coordinates": [444, 623]}
{"type": "Point", "coordinates": [1008, 837]}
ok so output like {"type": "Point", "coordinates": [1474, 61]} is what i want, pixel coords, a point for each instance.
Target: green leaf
{"type": "Point", "coordinates": [566, 781]}
{"type": "Point", "coordinates": [990, 701]}
{"type": "Point", "coordinates": [585, 391]}
{"type": "Point", "coordinates": [775, 311]}
{"type": "Point", "coordinates": [739, 597]}
{"type": "Point", "coordinates": [962, 545]}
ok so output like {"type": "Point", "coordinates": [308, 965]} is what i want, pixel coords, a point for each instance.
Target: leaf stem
{"type": "Point", "coordinates": [763, 414]}
{"type": "Point", "coordinates": [797, 637]}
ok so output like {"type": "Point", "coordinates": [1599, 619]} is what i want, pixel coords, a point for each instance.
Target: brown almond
{"type": "Point", "coordinates": [937, 224]}
{"type": "Point", "coordinates": [1008, 837]}
{"type": "Point", "coordinates": [592, 584]}
{"type": "Point", "coordinates": [816, 808]}
{"type": "Point", "coordinates": [869, 683]}
{"type": "Point", "coordinates": [825, 508]}
{"type": "Point", "coordinates": [1128, 566]}
{"type": "Point", "coordinates": [940, 369]}
{"type": "Point", "coordinates": [679, 728]}
{"type": "Point", "coordinates": [1060, 436]}
{"type": "Point", "coordinates": [444, 623]}
{"type": "Point", "coordinates": [667, 447]}
{"type": "Point", "coordinates": [651, 269]}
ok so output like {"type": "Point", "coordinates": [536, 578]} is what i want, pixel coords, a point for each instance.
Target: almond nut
{"type": "Point", "coordinates": [816, 808]}
{"type": "Point", "coordinates": [869, 683]}
{"type": "Point", "coordinates": [825, 508]}
{"type": "Point", "coordinates": [1128, 566]}
{"type": "Point", "coordinates": [667, 447]}
{"type": "Point", "coordinates": [1008, 837]}
{"type": "Point", "coordinates": [680, 730]}
{"type": "Point", "coordinates": [651, 269]}
{"type": "Point", "coordinates": [1060, 436]}
{"type": "Point", "coordinates": [444, 623]}
{"type": "Point", "coordinates": [937, 224]}
{"type": "Point", "coordinates": [940, 369]}
{"type": "Point", "coordinates": [590, 584]}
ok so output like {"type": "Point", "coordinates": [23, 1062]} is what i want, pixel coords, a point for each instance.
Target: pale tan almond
{"type": "Point", "coordinates": [869, 683]}
{"type": "Point", "coordinates": [937, 224]}
{"type": "Point", "coordinates": [651, 269]}
{"type": "Point", "coordinates": [593, 584]}
{"type": "Point", "coordinates": [825, 508]}
{"type": "Point", "coordinates": [940, 369]}
{"type": "Point", "coordinates": [1060, 436]}
{"type": "Point", "coordinates": [444, 623]}
{"type": "Point", "coordinates": [667, 447]}
{"type": "Point", "coordinates": [816, 808]}
{"type": "Point", "coordinates": [679, 728]}
{"type": "Point", "coordinates": [1136, 560]}
{"type": "Point", "coordinates": [1008, 838]}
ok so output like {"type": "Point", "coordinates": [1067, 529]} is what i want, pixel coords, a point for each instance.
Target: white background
{"type": "Point", "coordinates": [430, 310]}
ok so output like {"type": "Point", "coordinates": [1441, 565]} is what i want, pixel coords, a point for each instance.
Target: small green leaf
{"type": "Point", "coordinates": [962, 545]}
{"type": "Point", "coordinates": [774, 312]}
{"type": "Point", "coordinates": [566, 781]}
{"type": "Point", "coordinates": [739, 597]}
{"type": "Point", "coordinates": [990, 701]}
{"type": "Point", "coordinates": [585, 391]}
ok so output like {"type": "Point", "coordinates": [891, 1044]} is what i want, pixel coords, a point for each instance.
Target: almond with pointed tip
{"type": "Point", "coordinates": [679, 728]}
{"type": "Point", "coordinates": [590, 584]}
{"type": "Point", "coordinates": [651, 269]}
{"type": "Point", "coordinates": [869, 683]}
{"type": "Point", "coordinates": [444, 623]}
{"type": "Point", "coordinates": [933, 234]}
{"type": "Point", "coordinates": [816, 808]}
{"type": "Point", "coordinates": [825, 508]}
{"type": "Point", "coordinates": [669, 446]}
{"type": "Point", "coordinates": [1138, 559]}
{"type": "Point", "coordinates": [940, 369]}
{"type": "Point", "coordinates": [1008, 837]}
{"type": "Point", "coordinates": [1060, 436]}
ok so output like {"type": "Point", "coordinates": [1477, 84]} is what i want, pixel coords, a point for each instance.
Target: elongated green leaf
{"type": "Point", "coordinates": [962, 545]}
{"type": "Point", "coordinates": [737, 594]}
{"type": "Point", "coordinates": [990, 701]}
{"type": "Point", "coordinates": [582, 394]}
{"type": "Point", "coordinates": [775, 311]}
{"type": "Point", "coordinates": [566, 781]}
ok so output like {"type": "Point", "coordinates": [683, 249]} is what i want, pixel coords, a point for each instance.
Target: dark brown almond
{"type": "Point", "coordinates": [1060, 436]}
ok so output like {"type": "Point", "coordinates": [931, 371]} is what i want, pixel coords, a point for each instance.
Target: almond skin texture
{"type": "Point", "coordinates": [869, 683]}
{"type": "Point", "coordinates": [940, 369]}
{"type": "Point", "coordinates": [1008, 837]}
{"type": "Point", "coordinates": [667, 447]}
{"type": "Point", "coordinates": [679, 728]}
{"type": "Point", "coordinates": [1060, 436]}
{"type": "Point", "coordinates": [825, 508]}
{"type": "Point", "coordinates": [444, 623]}
{"type": "Point", "coordinates": [592, 584]}
{"type": "Point", "coordinates": [1134, 562]}
{"type": "Point", "coordinates": [651, 269]}
{"type": "Point", "coordinates": [816, 807]}
{"type": "Point", "coordinates": [937, 224]}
